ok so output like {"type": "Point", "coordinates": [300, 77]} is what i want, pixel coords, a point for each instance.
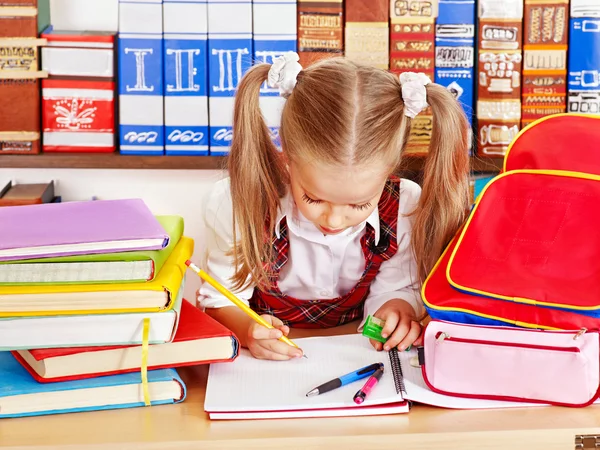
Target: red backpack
{"type": "Point", "coordinates": [529, 253]}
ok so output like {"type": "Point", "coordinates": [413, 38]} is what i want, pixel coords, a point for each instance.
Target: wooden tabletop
{"type": "Point", "coordinates": [186, 426]}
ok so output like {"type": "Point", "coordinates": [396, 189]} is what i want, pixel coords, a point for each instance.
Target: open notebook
{"type": "Point", "coordinates": [250, 388]}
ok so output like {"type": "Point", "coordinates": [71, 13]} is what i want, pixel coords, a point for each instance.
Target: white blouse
{"type": "Point", "coordinates": [319, 267]}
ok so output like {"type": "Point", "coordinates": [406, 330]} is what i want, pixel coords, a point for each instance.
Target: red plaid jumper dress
{"type": "Point", "coordinates": [337, 311]}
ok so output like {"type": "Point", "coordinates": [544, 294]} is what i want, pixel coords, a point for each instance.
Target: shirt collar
{"type": "Point", "coordinates": [287, 208]}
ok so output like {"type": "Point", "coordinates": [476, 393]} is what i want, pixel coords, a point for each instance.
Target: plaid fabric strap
{"type": "Point", "coordinates": [337, 311]}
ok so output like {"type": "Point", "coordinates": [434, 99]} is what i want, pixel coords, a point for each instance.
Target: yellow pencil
{"type": "Point", "coordinates": [236, 301]}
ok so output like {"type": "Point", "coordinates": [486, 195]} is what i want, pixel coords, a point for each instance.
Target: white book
{"type": "Point", "coordinates": [23, 333]}
{"type": "Point", "coordinates": [251, 388]}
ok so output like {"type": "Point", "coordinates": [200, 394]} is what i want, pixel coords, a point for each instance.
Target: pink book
{"type": "Point", "coordinates": [76, 228]}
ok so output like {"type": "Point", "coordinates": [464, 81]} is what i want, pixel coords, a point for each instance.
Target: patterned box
{"type": "Point", "coordinates": [18, 19]}
{"type": "Point", "coordinates": [545, 59]}
{"type": "Point", "coordinates": [19, 77]}
{"type": "Point", "coordinates": [78, 98]}
{"type": "Point", "coordinates": [19, 116]}
{"type": "Point", "coordinates": [412, 38]}
{"type": "Point", "coordinates": [367, 32]}
{"type": "Point", "coordinates": [320, 30]}
{"type": "Point", "coordinates": [499, 69]}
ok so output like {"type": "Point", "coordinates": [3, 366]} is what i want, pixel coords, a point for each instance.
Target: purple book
{"type": "Point", "coordinates": [76, 228]}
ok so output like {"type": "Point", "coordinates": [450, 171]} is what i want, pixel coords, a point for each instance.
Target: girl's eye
{"type": "Point", "coordinates": [362, 207]}
{"type": "Point", "coordinates": [310, 201]}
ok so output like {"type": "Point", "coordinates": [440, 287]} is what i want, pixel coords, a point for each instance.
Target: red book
{"type": "Point", "coordinates": [199, 340]}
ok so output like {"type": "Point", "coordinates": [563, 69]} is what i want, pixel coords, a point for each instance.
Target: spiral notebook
{"type": "Point", "coordinates": [250, 388]}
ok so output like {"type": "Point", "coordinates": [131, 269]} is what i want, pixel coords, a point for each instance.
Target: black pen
{"type": "Point", "coordinates": [345, 379]}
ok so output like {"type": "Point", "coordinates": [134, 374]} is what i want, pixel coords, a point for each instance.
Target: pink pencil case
{"type": "Point", "coordinates": [515, 364]}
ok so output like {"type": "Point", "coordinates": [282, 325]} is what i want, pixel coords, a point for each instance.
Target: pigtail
{"type": "Point", "coordinates": [444, 198]}
{"type": "Point", "coordinates": [258, 181]}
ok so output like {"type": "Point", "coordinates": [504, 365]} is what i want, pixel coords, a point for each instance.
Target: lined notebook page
{"type": "Point", "coordinates": [249, 384]}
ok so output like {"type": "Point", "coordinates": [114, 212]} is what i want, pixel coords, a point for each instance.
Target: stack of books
{"type": "Point", "coordinates": [92, 314]}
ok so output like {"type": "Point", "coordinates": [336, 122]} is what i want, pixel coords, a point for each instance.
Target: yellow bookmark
{"type": "Point", "coordinates": [145, 337]}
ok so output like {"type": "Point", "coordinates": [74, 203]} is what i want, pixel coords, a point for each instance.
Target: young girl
{"type": "Point", "coordinates": [321, 233]}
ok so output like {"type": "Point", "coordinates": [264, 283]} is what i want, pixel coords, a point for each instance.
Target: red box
{"type": "Point", "coordinates": [78, 97]}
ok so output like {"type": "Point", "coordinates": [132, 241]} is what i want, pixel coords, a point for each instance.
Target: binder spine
{"type": "Point", "coordinates": [185, 77]}
{"type": "Point", "coordinates": [229, 57]}
{"type": "Point", "coordinates": [584, 58]}
{"type": "Point", "coordinates": [455, 50]}
{"type": "Point", "coordinates": [273, 38]}
{"type": "Point", "coordinates": [397, 371]}
{"type": "Point", "coordinates": [140, 69]}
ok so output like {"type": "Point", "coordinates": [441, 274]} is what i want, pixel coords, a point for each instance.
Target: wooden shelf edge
{"type": "Point", "coordinates": [111, 161]}
{"type": "Point", "coordinates": [478, 164]}
{"type": "Point", "coordinates": [118, 161]}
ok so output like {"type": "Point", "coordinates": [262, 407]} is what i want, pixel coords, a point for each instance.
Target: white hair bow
{"type": "Point", "coordinates": [414, 93]}
{"type": "Point", "coordinates": [283, 73]}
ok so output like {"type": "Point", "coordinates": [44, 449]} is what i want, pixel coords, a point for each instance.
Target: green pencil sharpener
{"type": "Point", "coordinates": [373, 328]}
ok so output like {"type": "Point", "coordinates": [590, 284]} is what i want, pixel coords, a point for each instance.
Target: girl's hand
{"type": "Point", "coordinates": [263, 342]}
{"type": "Point", "coordinates": [400, 325]}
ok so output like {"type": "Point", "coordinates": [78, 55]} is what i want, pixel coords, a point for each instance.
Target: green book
{"type": "Point", "coordinates": [118, 267]}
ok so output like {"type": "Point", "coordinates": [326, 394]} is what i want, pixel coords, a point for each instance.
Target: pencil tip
{"type": "Point", "coordinates": [304, 356]}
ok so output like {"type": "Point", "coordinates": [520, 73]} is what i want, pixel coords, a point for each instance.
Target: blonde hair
{"type": "Point", "coordinates": [341, 113]}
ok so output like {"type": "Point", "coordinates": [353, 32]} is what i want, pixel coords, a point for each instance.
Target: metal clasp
{"type": "Point", "coordinates": [442, 336]}
{"type": "Point", "coordinates": [580, 333]}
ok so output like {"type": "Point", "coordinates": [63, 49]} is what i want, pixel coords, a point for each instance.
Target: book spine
{"type": "Point", "coordinates": [367, 36]}
{"type": "Point", "coordinates": [78, 101]}
{"type": "Point", "coordinates": [455, 50]}
{"type": "Point", "coordinates": [412, 37]}
{"type": "Point", "coordinates": [499, 66]}
{"type": "Point", "coordinates": [19, 78]}
{"type": "Point", "coordinates": [141, 109]}
{"type": "Point", "coordinates": [320, 30]}
{"type": "Point", "coordinates": [545, 38]}
{"type": "Point", "coordinates": [584, 58]}
{"type": "Point", "coordinates": [186, 77]}
{"type": "Point", "coordinates": [412, 45]}
{"type": "Point", "coordinates": [273, 38]}
{"type": "Point", "coordinates": [19, 116]}
{"type": "Point", "coordinates": [229, 57]}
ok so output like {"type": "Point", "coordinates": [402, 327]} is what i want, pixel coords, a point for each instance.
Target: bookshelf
{"type": "Point", "coordinates": [118, 161]}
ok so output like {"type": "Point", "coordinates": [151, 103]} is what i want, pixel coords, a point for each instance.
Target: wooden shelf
{"type": "Point", "coordinates": [111, 161]}
{"type": "Point", "coordinates": [118, 161]}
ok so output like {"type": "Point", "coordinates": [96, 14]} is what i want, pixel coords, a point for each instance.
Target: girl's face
{"type": "Point", "coordinates": [335, 198]}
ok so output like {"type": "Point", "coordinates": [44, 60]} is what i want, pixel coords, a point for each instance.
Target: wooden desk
{"type": "Point", "coordinates": [186, 426]}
